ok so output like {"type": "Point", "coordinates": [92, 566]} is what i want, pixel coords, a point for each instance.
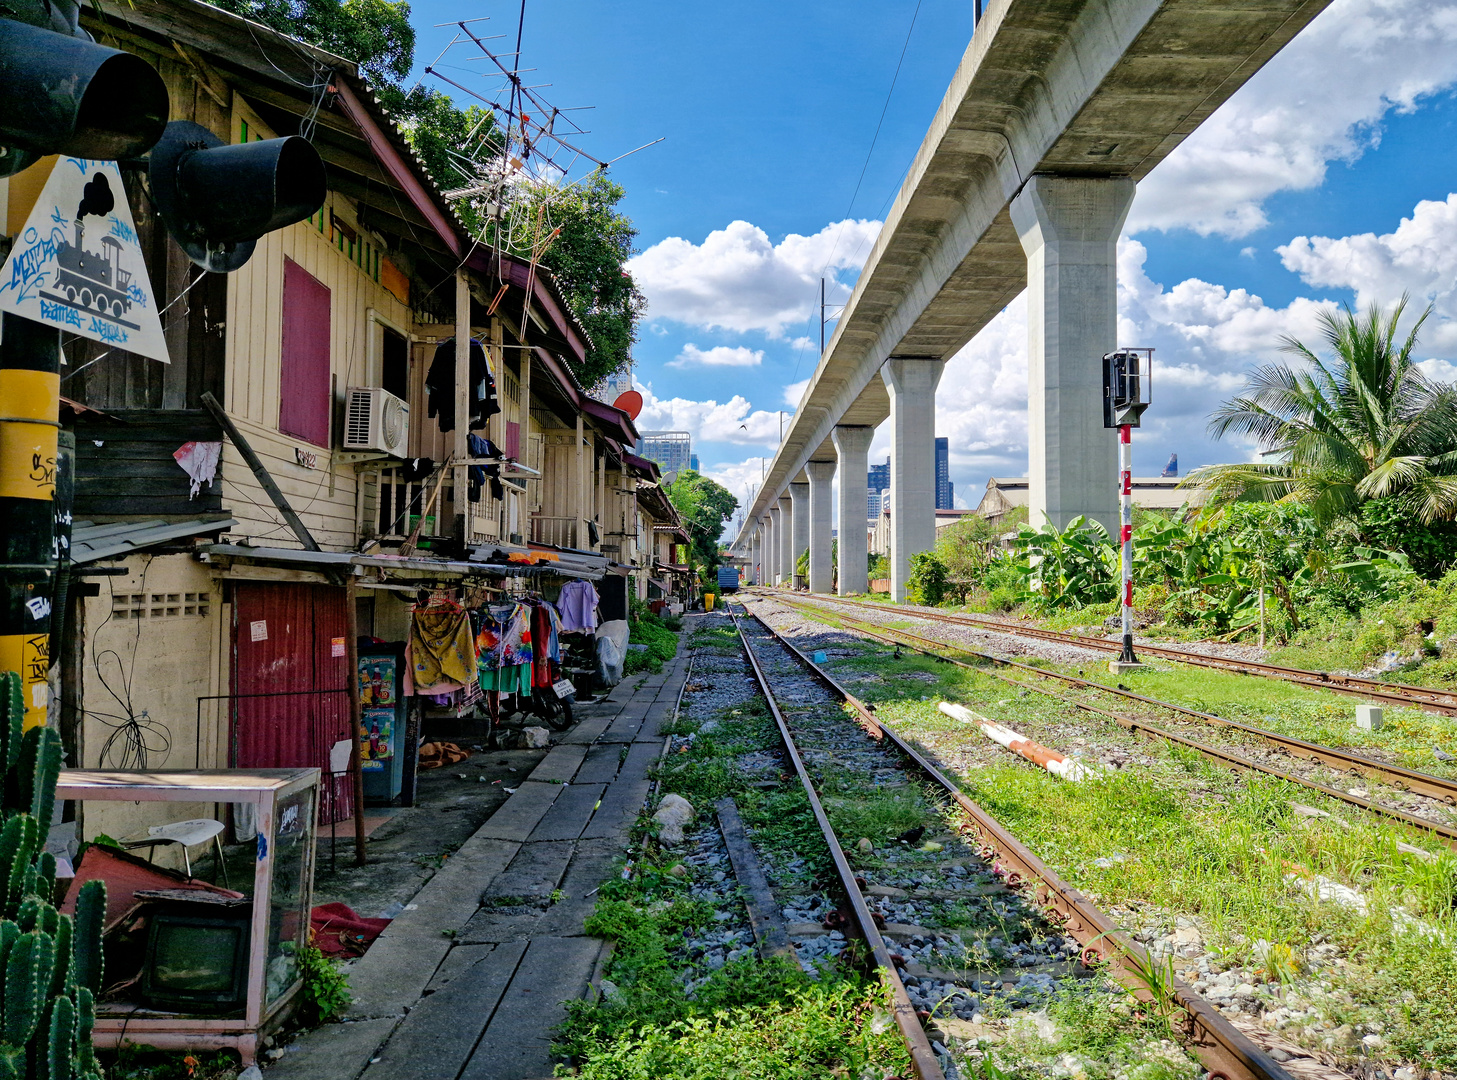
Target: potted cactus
{"type": "Point", "coordinates": [50, 962]}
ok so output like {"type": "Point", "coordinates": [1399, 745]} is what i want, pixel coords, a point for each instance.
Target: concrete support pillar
{"type": "Point", "coordinates": [799, 494]}
{"type": "Point", "coordinates": [1069, 229]}
{"type": "Point", "coordinates": [754, 548]}
{"type": "Point", "coordinates": [852, 446]}
{"type": "Point", "coordinates": [912, 387]}
{"type": "Point", "coordinates": [821, 565]}
{"type": "Point", "coordinates": [771, 556]}
{"type": "Point", "coordinates": [786, 538]}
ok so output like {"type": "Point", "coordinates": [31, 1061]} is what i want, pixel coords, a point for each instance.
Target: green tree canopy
{"type": "Point", "coordinates": [594, 239]}
{"type": "Point", "coordinates": [705, 507]}
{"type": "Point", "coordinates": [1362, 423]}
{"type": "Point", "coordinates": [588, 259]}
{"type": "Point", "coordinates": [375, 34]}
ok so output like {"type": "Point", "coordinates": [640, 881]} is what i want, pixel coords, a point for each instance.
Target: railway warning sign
{"type": "Point", "coordinates": [77, 264]}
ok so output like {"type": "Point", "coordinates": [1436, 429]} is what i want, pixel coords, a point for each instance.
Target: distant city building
{"type": "Point", "coordinates": [672, 450]}
{"type": "Point", "coordinates": [613, 387]}
{"type": "Point", "coordinates": [693, 462]}
{"type": "Point", "coordinates": [945, 496]}
{"type": "Point", "coordinates": [876, 481]}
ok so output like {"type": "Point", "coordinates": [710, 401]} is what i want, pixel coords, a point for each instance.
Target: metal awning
{"type": "Point", "coordinates": [92, 543]}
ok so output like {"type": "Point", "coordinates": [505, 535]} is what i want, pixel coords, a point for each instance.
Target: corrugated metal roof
{"type": "Point", "coordinates": [90, 543]}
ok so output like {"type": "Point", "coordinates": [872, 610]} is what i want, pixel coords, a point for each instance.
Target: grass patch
{"type": "Point", "coordinates": [838, 1030]}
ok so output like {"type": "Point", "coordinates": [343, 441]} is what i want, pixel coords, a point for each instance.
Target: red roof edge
{"type": "Point", "coordinates": [398, 168]}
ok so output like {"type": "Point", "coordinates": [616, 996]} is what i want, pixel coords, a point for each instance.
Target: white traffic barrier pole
{"type": "Point", "coordinates": [1059, 765]}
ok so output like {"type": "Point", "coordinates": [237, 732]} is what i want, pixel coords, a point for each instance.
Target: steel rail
{"type": "Point", "coordinates": [923, 1058]}
{"type": "Point", "coordinates": [1405, 695]}
{"type": "Point", "coordinates": [1226, 1052]}
{"type": "Point", "coordinates": [1435, 787]}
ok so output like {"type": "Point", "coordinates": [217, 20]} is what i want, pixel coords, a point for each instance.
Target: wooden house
{"type": "Point", "coordinates": [208, 625]}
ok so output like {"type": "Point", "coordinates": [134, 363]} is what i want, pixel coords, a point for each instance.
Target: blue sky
{"type": "Point", "coordinates": [1324, 180]}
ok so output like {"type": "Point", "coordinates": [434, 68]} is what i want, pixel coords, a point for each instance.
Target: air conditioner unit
{"type": "Point", "coordinates": [376, 420]}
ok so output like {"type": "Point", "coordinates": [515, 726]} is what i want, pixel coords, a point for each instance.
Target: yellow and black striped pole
{"type": "Point", "coordinates": [30, 388]}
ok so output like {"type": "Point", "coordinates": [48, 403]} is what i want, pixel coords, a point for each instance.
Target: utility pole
{"type": "Point", "coordinates": [822, 318]}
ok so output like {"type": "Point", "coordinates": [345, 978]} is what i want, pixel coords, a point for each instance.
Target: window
{"type": "Point", "coordinates": [304, 399]}
{"type": "Point", "coordinates": [394, 373]}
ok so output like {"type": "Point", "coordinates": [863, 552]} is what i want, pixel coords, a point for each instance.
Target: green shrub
{"type": "Point", "coordinates": [645, 628]}
{"type": "Point", "coordinates": [927, 583]}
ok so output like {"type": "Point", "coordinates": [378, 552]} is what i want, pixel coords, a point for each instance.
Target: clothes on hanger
{"type": "Point", "coordinates": [442, 652]}
{"type": "Point", "coordinates": [577, 605]}
{"type": "Point", "coordinates": [479, 474]}
{"type": "Point", "coordinates": [440, 386]}
{"type": "Point", "coordinates": [504, 638]}
{"type": "Point", "coordinates": [545, 626]}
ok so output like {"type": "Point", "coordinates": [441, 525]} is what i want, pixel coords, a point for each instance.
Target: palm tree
{"type": "Point", "coordinates": [1362, 424]}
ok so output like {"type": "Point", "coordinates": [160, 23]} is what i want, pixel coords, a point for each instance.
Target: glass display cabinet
{"type": "Point", "coordinates": [191, 964]}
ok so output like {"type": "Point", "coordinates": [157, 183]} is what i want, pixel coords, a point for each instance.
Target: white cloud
{"type": "Point", "coordinates": [733, 421]}
{"type": "Point", "coordinates": [740, 477]}
{"type": "Point", "coordinates": [794, 393]}
{"type": "Point", "coordinates": [737, 280]}
{"type": "Point", "coordinates": [1321, 99]}
{"type": "Point", "coordinates": [718, 356]}
{"type": "Point", "coordinates": [1419, 257]}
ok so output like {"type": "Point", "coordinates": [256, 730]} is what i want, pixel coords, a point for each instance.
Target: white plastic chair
{"type": "Point", "coordinates": [185, 834]}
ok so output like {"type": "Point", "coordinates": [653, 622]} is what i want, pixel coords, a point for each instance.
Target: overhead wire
{"type": "Point", "coordinates": [884, 109]}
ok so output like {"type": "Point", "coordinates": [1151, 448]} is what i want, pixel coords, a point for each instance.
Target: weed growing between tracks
{"type": "Point", "coordinates": [1176, 834]}
{"type": "Point", "coordinates": [1169, 836]}
{"type": "Point", "coordinates": [668, 1013]}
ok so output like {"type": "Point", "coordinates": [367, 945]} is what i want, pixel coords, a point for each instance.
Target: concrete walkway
{"type": "Point", "coordinates": [468, 982]}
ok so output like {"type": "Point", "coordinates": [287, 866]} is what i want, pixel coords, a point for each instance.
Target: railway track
{"type": "Point", "coordinates": [985, 866]}
{"type": "Point", "coordinates": [1405, 695]}
{"type": "Point", "coordinates": [1397, 777]}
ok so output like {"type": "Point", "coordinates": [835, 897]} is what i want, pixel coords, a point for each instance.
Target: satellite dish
{"type": "Point", "coordinates": [630, 402]}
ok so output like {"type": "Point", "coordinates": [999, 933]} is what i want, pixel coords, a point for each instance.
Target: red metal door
{"type": "Point", "coordinates": [290, 692]}
{"type": "Point", "coordinates": [304, 399]}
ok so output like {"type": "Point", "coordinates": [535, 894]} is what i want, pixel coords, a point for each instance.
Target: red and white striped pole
{"type": "Point", "coordinates": [1125, 537]}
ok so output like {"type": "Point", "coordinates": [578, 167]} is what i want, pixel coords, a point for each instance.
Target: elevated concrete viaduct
{"type": "Point", "coordinates": [1057, 109]}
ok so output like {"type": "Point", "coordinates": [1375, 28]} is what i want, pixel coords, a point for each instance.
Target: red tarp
{"type": "Point", "coordinates": [340, 932]}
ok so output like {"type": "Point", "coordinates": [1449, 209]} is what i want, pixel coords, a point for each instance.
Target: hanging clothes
{"type": "Point", "coordinates": [479, 474]}
{"type": "Point", "coordinates": [577, 605]}
{"type": "Point", "coordinates": [504, 639]}
{"type": "Point", "coordinates": [441, 650]}
{"type": "Point", "coordinates": [440, 386]}
{"type": "Point", "coordinates": [545, 626]}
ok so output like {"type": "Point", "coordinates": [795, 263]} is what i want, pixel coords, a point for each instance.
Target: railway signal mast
{"type": "Point", "coordinates": [1127, 389]}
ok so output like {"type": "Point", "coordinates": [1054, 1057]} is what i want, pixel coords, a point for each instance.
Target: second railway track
{"type": "Point", "coordinates": [1404, 695]}
{"type": "Point", "coordinates": [902, 896]}
{"type": "Point", "coordinates": [1400, 780]}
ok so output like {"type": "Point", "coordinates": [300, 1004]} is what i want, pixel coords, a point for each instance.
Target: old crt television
{"type": "Point", "coordinates": [196, 963]}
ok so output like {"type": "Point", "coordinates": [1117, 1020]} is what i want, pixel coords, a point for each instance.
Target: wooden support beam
{"type": "Point", "coordinates": [260, 471]}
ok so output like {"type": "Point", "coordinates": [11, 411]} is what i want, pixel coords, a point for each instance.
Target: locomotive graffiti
{"type": "Point", "coordinates": [91, 281]}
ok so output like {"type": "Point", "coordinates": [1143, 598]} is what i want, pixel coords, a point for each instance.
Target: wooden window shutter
{"type": "Point", "coordinates": [513, 440]}
{"type": "Point", "coordinates": [304, 398]}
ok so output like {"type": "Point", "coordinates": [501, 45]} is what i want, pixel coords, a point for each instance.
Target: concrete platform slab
{"type": "Point", "coordinates": [603, 761]}
{"type": "Point", "coordinates": [516, 819]}
{"type": "Point", "coordinates": [561, 764]}
{"type": "Point", "coordinates": [516, 1044]}
{"type": "Point", "coordinates": [570, 813]}
{"type": "Point", "coordinates": [437, 1038]}
{"type": "Point", "coordinates": [534, 873]}
{"type": "Point", "coordinates": [333, 1052]}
